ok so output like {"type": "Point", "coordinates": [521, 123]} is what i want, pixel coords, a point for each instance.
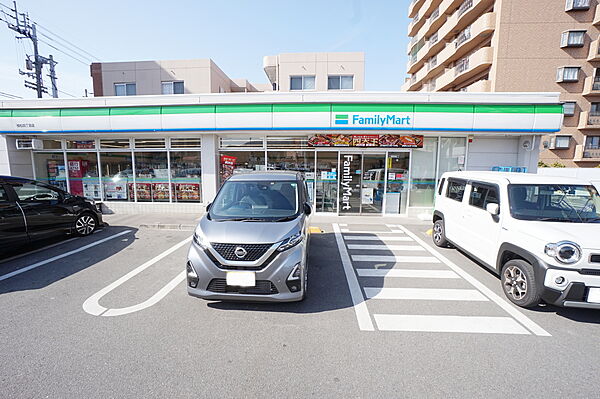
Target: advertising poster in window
{"type": "Point", "coordinates": [115, 191]}
{"type": "Point", "coordinates": [227, 166]}
{"type": "Point", "coordinates": [366, 140]}
{"type": "Point", "coordinates": [160, 191]}
{"type": "Point", "coordinates": [187, 191]}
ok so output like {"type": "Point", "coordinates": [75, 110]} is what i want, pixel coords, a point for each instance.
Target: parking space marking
{"type": "Point", "coordinates": [455, 324]}
{"type": "Point", "coordinates": [360, 307]}
{"type": "Point", "coordinates": [395, 258]}
{"type": "Point", "coordinates": [376, 238]}
{"type": "Point", "coordinates": [347, 231]}
{"type": "Point", "coordinates": [57, 257]}
{"type": "Point", "coordinates": [402, 273]}
{"type": "Point", "coordinates": [92, 306]}
{"type": "Point", "coordinates": [508, 308]}
{"type": "Point", "coordinates": [386, 247]}
{"type": "Point", "coordinates": [427, 294]}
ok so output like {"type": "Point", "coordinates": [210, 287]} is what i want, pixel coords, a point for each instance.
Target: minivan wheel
{"type": "Point", "coordinates": [85, 224]}
{"type": "Point", "coordinates": [439, 235]}
{"type": "Point", "coordinates": [518, 283]}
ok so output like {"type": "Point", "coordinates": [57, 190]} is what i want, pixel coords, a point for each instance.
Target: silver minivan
{"type": "Point", "coordinates": [252, 243]}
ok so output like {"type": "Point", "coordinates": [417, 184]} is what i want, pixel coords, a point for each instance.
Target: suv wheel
{"type": "Point", "coordinates": [85, 224]}
{"type": "Point", "coordinates": [439, 235]}
{"type": "Point", "coordinates": [518, 282]}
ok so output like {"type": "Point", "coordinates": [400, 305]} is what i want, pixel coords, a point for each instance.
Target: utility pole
{"type": "Point", "coordinates": [23, 26]}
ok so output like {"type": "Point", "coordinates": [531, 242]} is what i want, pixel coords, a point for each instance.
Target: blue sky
{"type": "Point", "coordinates": [236, 34]}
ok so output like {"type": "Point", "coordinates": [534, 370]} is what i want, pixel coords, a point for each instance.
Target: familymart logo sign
{"type": "Point", "coordinates": [371, 119]}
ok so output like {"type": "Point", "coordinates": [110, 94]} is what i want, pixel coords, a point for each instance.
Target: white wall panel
{"type": "Point", "coordinates": [85, 123]}
{"type": "Point", "coordinates": [135, 122]}
{"type": "Point", "coordinates": [41, 123]}
{"type": "Point", "coordinates": [230, 120]}
{"type": "Point", "coordinates": [548, 121]}
{"type": "Point", "coordinates": [301, 119]}
{"type": "Point", "coordinates": [443, 120]}
{"type": "Point", "coordinates": [504, 121]}
{"type": "Point", "coordinates": [189, 121]}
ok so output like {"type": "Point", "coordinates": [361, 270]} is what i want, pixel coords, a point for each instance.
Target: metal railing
{"type": "Point", "coordinates": [594, 118]}
{"type": "Point", "coordinates": [433, 39]}
{"type": "Point", "coordinates": [461, 66]}
{"type": "Point", "coordinates": [596, 84]}
{"type": "Point", "coordinates": [591, 153]}
{"type": "Point", "coordinates": [432, 62]}
{"type": "Point", "coordinates": [434, 15]}
{"type": "Point", "coordinates": [463, 36]}
{"type": "Point", "coordinates": [467, 4]}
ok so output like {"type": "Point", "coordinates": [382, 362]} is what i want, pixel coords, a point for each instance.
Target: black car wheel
{"type": "Point", "coordinates": [518, 282]}
{"type": "Point", "coordinates": [439, 235]}
{"type": "Point", "coordinates": [85, 224]}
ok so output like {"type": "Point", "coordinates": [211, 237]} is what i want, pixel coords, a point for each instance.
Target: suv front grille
{"type": "Point", "coordinates": [263, 287]}
{"type": "Point", "coordinates": [253, 251]}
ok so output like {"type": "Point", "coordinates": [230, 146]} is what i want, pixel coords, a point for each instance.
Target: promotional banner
{"type": "Point", "coordinates": [366, 140]}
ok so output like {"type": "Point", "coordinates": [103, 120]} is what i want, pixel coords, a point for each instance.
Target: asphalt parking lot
{"type": "Point", "coordinates": [386, 315]}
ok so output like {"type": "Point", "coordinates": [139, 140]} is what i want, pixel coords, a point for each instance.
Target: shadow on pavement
{"type": "Point", "coordinates": [51, 272]}
{"type": "Point", "coordinates": [327, 285]}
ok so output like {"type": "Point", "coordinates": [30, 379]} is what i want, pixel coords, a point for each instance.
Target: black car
{"type": "Point", "coordinates": [31, 211]}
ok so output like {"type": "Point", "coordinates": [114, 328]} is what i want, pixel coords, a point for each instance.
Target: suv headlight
{"type": "Point", "coordinates": [565, 252]}
{"type": "Point", "coordinates": [290, 242]}
{"type": "Point", "coordinates": [201, 240]}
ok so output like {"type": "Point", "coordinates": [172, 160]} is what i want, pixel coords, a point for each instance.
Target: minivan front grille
{"type": "Point", "coordinates": [595, 258]}
{"type": "Point", "coordinates": [262, 287]}
{"type": "Point", "coordinates": [590, 272]}
{"type": "Point", "coordinates": [253, 251]}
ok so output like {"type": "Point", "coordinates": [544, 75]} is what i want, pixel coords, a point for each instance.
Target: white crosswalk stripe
{"type": "Point", "coordinates": [405, 286]}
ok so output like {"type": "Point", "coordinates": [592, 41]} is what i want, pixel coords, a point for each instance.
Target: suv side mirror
{"type": "Point", "coordinates": [307, 208]}
{"type": "Point", "coordinates": [493, 209]}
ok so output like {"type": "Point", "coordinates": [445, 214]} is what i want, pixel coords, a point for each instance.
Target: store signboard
{"type": "Point", "coordinates": [349, 194]}
{"type": "Point", "coordinates": [366, 140]}
{"type": "Point", "coordinates": [397, 120]}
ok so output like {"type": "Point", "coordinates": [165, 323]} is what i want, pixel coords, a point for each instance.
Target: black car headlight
{"type": "Point", "coordinates": [564, 251]}
{"type": "Point", "coordinates": [201, 240]}
{"type": "Point", "coordinates": [290, 242]}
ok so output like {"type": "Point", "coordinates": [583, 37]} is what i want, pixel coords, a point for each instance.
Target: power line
{"type": "Point", "coordinates": [90, 55]}
{"type": "Point", "coordinates": [8, 95]}
{"type": "Point", "coordinates": [64, 52]}
{"type": "Point", "coordinates": [65, 47]}
{"type": "Point", "coordinates": [68, 94]}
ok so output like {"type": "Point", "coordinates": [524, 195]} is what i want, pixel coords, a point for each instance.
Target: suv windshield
{"type": "Point", "coordinates": [554, 203]}
{"type": "Point", "coordinates": [256, 201]}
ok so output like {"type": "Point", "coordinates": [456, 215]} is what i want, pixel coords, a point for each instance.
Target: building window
{"type": "Point", "coordinates": [573, 5]}
{"type": "Point", "coordinates": [572, 38]}
{"type": "Point", "coordinates": [463, 36]}
{"type": "Point", "coordinates": [562, 142]}
{"type": "Point", "coordinates": [567, 74]}
{"type": "Point", "coordinates": [433, 39]}
{"type": "Point", "coordinates": [569, 108]}
{"type": "Point", "coordinates": [595, 109]}
{"type": "Point", "coordinates": [186, 142]}
{"type": "Point", "coordinates": [172, 87]}
{"type": "Point", "coordinates": [124, 89]}
{"type": "Point", "coordinates": [338, 82]}
{"type": "Point", "coordinates": [592, 143]}
{"type": "Point", "coordinates": [304, 82]}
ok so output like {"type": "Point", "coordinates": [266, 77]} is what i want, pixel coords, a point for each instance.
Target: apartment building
{"type": "Point", "coordinates": [286, 72]}
{"type": "Point", "coordinates": [515, 46]}
{"type": "Point", "coordinates": [316, 71]}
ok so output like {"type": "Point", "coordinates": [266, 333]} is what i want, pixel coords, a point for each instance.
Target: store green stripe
{"type": "Point", "coordinates": [85, 112]}
{"type": "Point", "coordinates": [29, 113]}
{"type": "Point", "coordinates": [456, 108]}
{"type": "Point", "coordinates": [372, 107]}
{"type": "Point", "coordinates": [135, 111]}
{"type": "Point", "coordinates": [504, 109]}
{"type": "Point", "coordinates": [549, 109]}
{"type": "Point", "coordinates": [188, 109]}
{"type": "Point", "coordinates": [301, 107]}
{"type": "Point", "coordinates": [240, 108]}
{"type": "Point", "coordinates": [5, 112]}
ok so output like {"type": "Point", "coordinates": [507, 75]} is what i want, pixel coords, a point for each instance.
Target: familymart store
{"type": "Point", "coordinates": [361, 153]}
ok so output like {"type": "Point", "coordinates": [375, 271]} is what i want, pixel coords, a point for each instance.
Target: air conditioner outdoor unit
{"type": "Point", "coordinates": [29, 144]}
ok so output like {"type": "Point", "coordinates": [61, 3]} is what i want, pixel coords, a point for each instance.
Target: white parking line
{"type": "Point", "coordinates": [395, 258]}
{"type": "Point", "coordinates": [510, 309]}
{"type": "Point", "coordinates": [360, 307]}
{"type": "Point", "coordinates": [375, 238]}
{"type": "Point", "coordinates": [46, 261]}
{"type": "Point", "coordinates": [347, 231]}
{"type": "Point", "coordinates": [402, 273]}
{"type": "Point", "coordinates": [429, 294]}
{"type": "Point", "coordinates": [456, 324]}
{"type": "Point", "coordinates": [92, 306]}
{"type": "Point", "coordinates": [387, 247]}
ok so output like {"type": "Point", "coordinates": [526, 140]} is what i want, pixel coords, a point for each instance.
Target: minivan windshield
{"type": "Point", "coordinates": [256, 201]}
{"type": "Point", "coordinates": [554, 203]}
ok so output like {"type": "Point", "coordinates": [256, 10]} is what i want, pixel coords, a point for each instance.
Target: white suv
{"type": "Point", "coordinates": [541, 234]}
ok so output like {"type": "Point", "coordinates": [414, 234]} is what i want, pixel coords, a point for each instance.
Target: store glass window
{"type": "Point", "coordinates": [397, 183]}
{"type": "Point", "coordinates": [186, 176]}
{"type": "Point", "coordinates": [299, 161]}
{"type": "Point", "coordinates": [233, 162]}
{"type": "Point", "coordinates": [51, 144]}
{"type": "Point", "coordinates": [151, 176]}
{"type": "Point", "coordinates": [81, 144]}
{"type": "Point", "coordinates": [186, 142]}
{"type": "Point", "coordinates": [114, 143]}
{"type": "Point", "coordinates": [326, 181]}
{"type": "Point", "coordinates": [453, 151]}
{"type": "Point", "coordinates": [50, 169]}
{"type": "Point", "coordinates": [83, 174]}
{"type": "Point", "coordinates": [242, 142]}
{"type": "Point", "coordinates": [287, 142]}
{"type": "Point", "coordinates": [117, 176]}
{"type": "Point", "coordinates": [149, 143]}
{"type": "Point", "coordinates": [422, 186]}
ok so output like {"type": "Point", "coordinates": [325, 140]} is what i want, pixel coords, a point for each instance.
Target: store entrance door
{"type": "Point", "coordinates": [362, 182]}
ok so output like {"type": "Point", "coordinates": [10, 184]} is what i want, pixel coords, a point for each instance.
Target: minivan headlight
{"type": "Point", "coordinates": [200, 239]}
{"type": "Point", "coordinates": [565, 252]}
{"type": "Point", "coordinates": [290, 242]}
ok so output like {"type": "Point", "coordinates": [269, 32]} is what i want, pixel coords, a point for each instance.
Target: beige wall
{"type": "Point", "coordinates": [321, 65]}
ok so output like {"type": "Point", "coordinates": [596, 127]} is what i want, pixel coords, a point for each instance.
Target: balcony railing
{"type": "Point", "coordinates": [432, 62]}
{"type": "Point", "coordinates": [596, 85]}
{"type": "Point", "coordinates": [464, 7]}
{"type": "Point", "coordinates": [463, 36]}
{"type": "Point", "coordinates": [461, 66]}
{"type": "Point", "coordinates": [591, 153]}
{"type": "Point", "coordinates": [594, 118]}
{"type": "Point", "coordinates": [433, 39]}
{"type": "Point", "coordinates": [434, 15]}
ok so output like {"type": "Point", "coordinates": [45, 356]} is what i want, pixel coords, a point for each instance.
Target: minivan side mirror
{"type": "Point", "coordinates": [493, 209]}
{"type": "Point", "coordinates": [307, 208]}
{"type": "Point", "coordinates": [208, 206]}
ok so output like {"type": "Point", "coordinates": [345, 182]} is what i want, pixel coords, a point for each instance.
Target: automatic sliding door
{"type": "Point", "coordinates": [397, 183]}
{"type": "Point", "coordinates": [326, 180]}
{"type": "Point", "coordinates": [373, 180]}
